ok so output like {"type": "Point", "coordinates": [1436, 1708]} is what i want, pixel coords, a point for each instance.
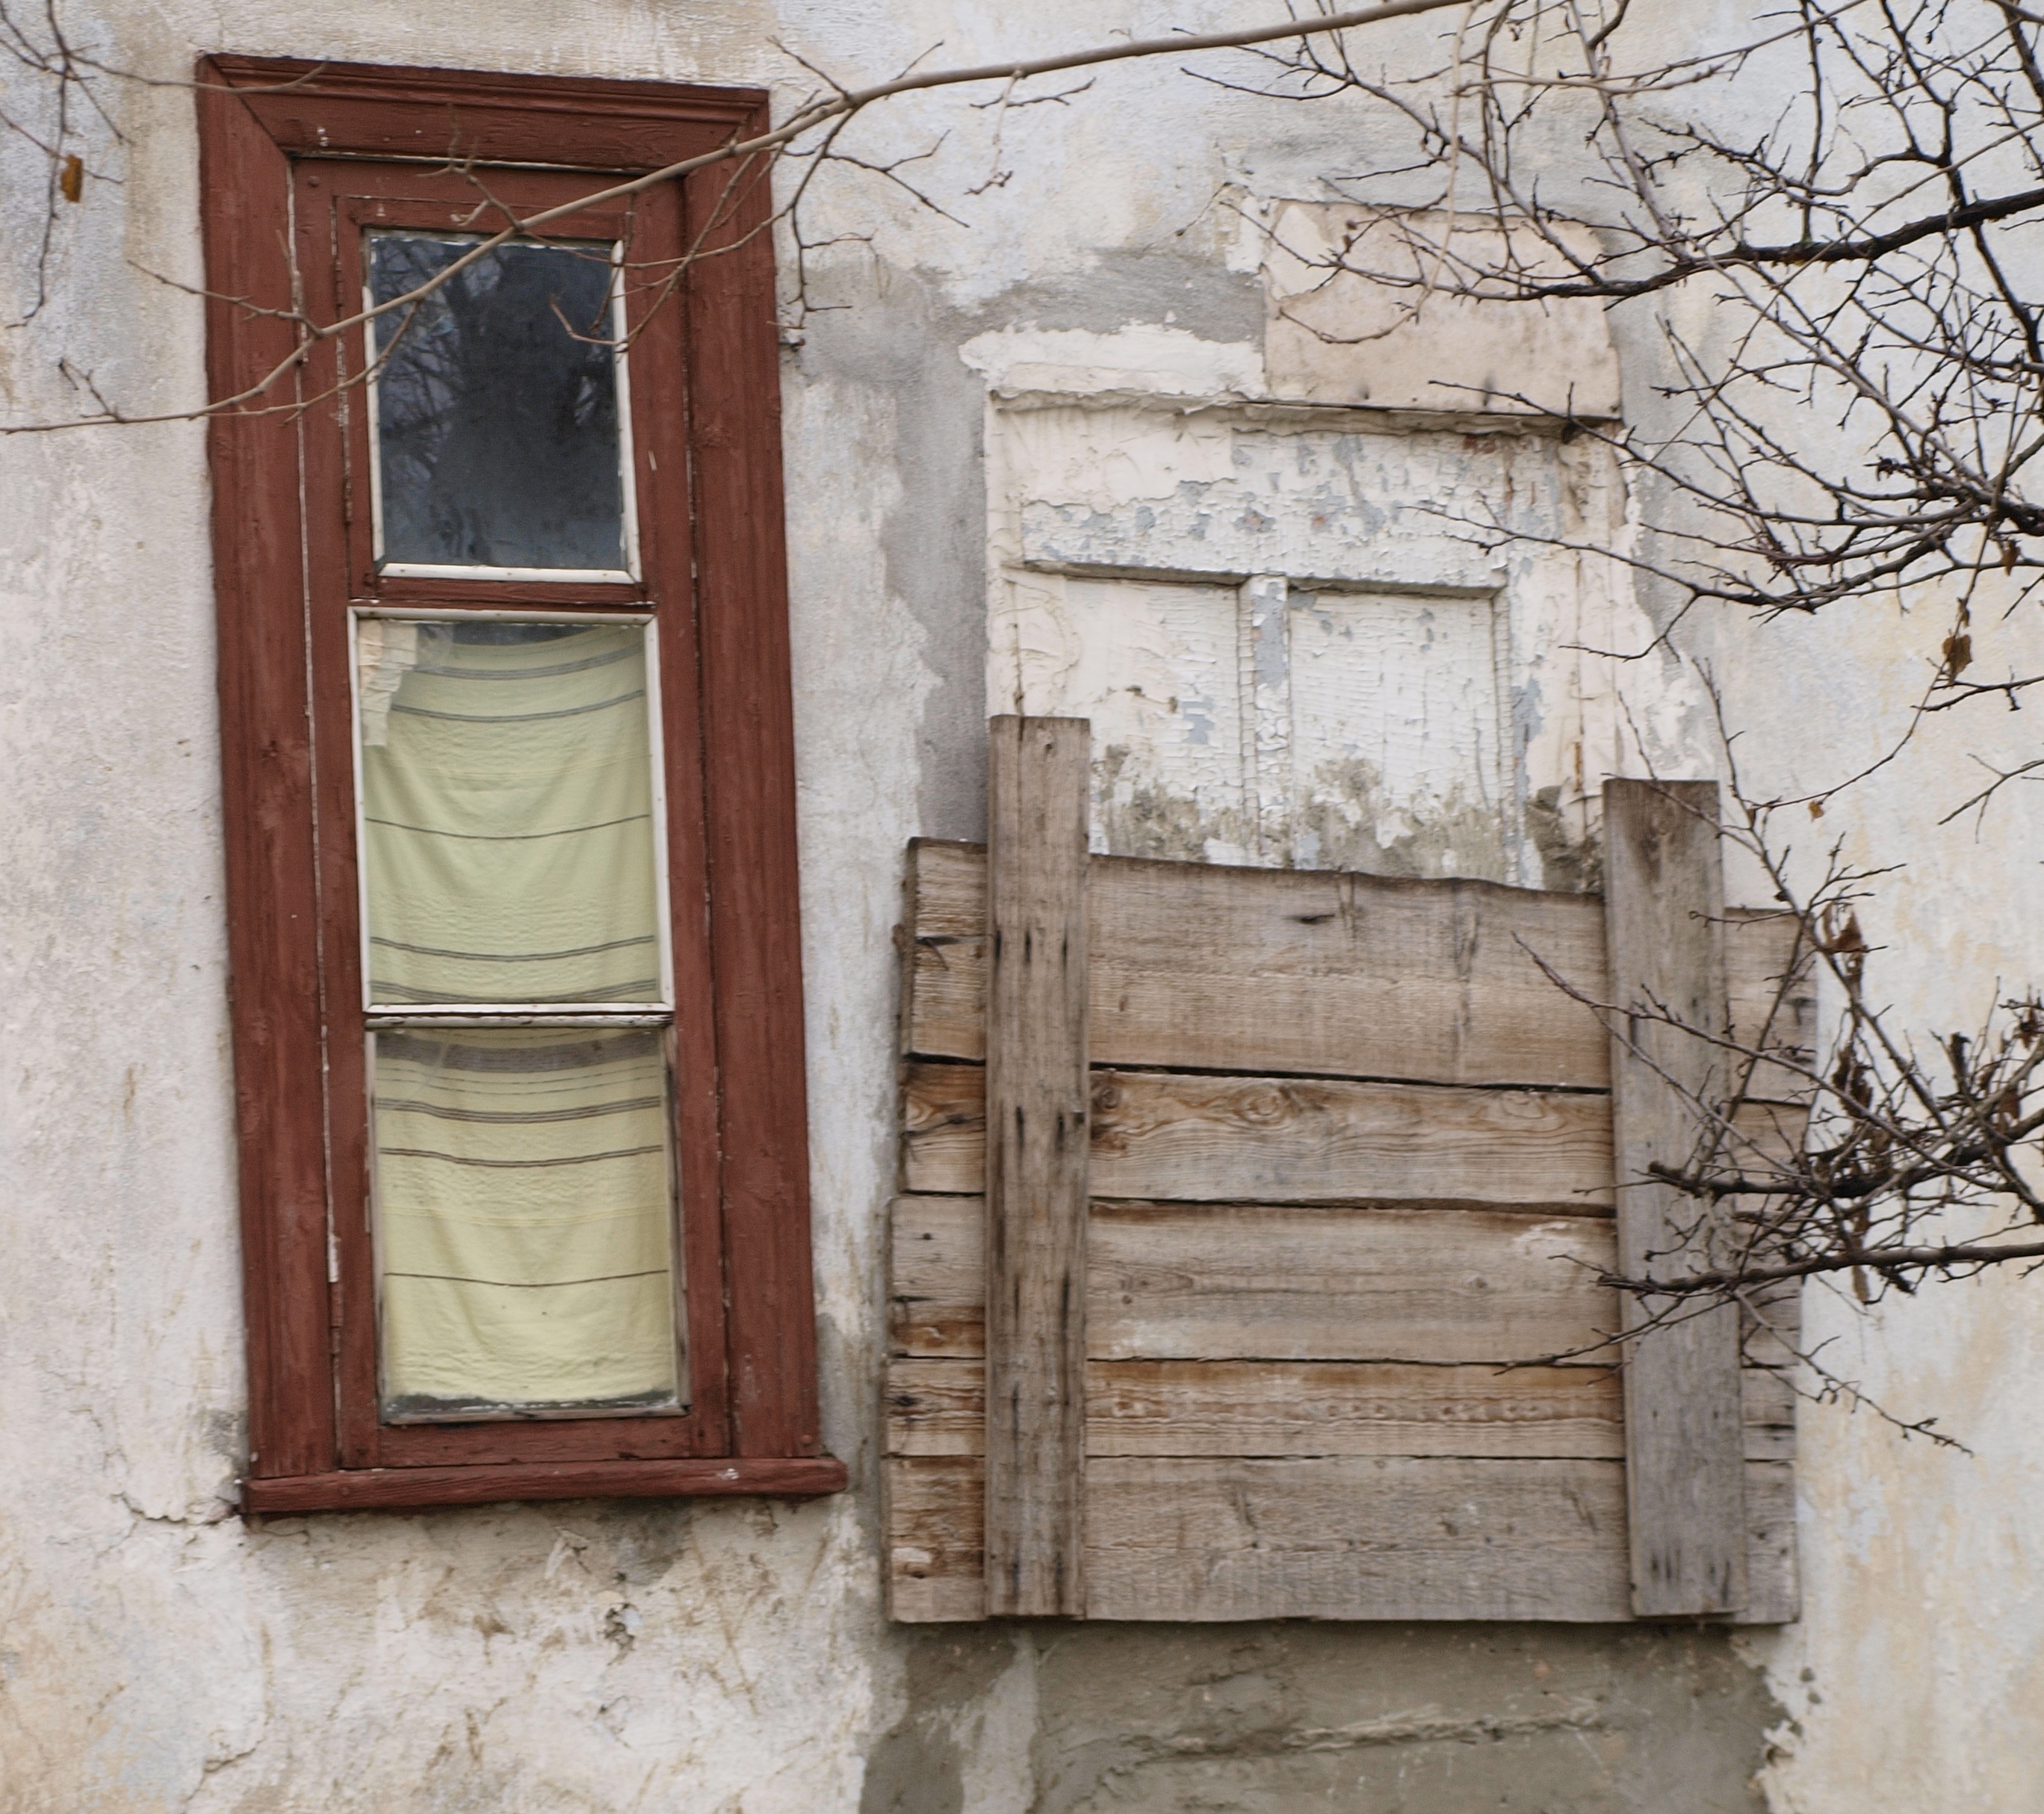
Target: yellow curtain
{"type": "Point", "coordinates": [507, 799]}
{"type": "Point", "coordinates": [524, 1187]}
{"type": "Point", "coordinates": [524, 1218]}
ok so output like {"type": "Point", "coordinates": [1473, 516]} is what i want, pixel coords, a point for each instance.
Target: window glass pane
{"type": "Point", "coordinates": [496, 409]}
{"type": "Point", "coordinates": [507, 799]}
{"type": "Point", "coordinates": [525, 1219]}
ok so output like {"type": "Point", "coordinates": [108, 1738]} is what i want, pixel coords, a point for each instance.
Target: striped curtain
{"type": "Point", "coordinates": [524, 1217]}
{"type": "Point", "coordinates": [525, 1186]}
{"type": "Point", "coordinates": [507, 801]}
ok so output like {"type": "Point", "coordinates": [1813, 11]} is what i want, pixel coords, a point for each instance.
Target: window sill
{"type": "Point", "coordinates": [420, 1489]}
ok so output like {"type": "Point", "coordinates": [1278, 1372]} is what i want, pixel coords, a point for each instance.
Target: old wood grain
{"type": "Point", "coordinates": [1685, 1480]}
{"type": "Point", "coordinates": [933, 1511]}
{"type": "Point", "coordinates": [1203, 1139]}
{"type": "Point", "coordinates": [1344, 1538]}
{"type": "Point", "coordinates": [1284, 1408]}
{"type": "Point", "coordinates": [1203, 966]}
{"type": "Point", "coordinates": [1319, 1408]}
{"type": "Point", "coordinates": [1284, 1281]}
{"type": "Point", "coordinates": [1198, 966]}
{"type": "Point", "coordinates": [1357, 1538]}
{"type": "Point", "coordinates": [1036, 1163]}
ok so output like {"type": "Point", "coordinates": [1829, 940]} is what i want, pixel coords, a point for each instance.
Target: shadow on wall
{"type": "Point", "coordinates": [1379, 1720]}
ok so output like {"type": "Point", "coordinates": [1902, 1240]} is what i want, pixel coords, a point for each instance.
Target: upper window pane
{"type": "Point", "coordinates": [509, 847]}
{"type": "Point", "coordinates": [497, 424]}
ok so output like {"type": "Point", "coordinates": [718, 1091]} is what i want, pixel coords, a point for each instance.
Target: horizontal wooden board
{"type": "Point", "coordinates": [1318, 1408]}
{"type": "Point", "coordinates": [1278, 1282]}
{"type": "Point", "coordinates": [1206, 966]}
{"type": "Point", "coordinates": [1771, 996]}
{"type": "Point", "coordinates": [935, 1515]}
{"type": "Point", "coordinates": [1345, 1538]}
{"type": "Point", "coordinates": [1201, 1139]}
{"type": "Point", "coordinates": [936, 1277]}
{"type": "Point", "coordinates": [1283, 1282]}
{"type": "Point", "coordinates": [1355, 1538]}
{"type": "Point", "coordinates": [1283, 1407]}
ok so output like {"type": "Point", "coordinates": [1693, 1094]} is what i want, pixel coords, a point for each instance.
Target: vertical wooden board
{"type": "Point", "coordinates": [935, 1554]}
{"type": "Point", "coordinates": [267, 791]}
{"type": "Point", "coordinates": [1037, 1110]}
{"type": "Point", "coordinates": [1664, 904]}
{"type": "Point", "coordinates": [1351, 1538]}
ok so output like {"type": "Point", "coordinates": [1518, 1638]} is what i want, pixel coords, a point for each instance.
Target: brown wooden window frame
{"type": "Point", "coordinates": [295, 157]}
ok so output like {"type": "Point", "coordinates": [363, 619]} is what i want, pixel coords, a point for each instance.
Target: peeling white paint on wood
{"type": "Point", "coordinates": [1410, 694]}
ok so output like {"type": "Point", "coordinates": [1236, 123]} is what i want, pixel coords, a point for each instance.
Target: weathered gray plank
{"type": "Point", "coordinates": [1684, 1478]}
{"type": "Point", "coordinates": [1355, 1538]}
{"type": "Point", "coordinates": [1774, 1593]}
{"type": "Point", "coordinates": [1340, 1571]}
{"type": "Point", "coordinates": [936, 1282]}
{"type": "Point", "coordinates": [1284, 1408]}
{"type": "Point", "coordinates": [1036, 1163]}
{"type": "Point", "coordinates": [1200, 965]}
{"type": "Point", "coordinates": [1338, 1408]}
{"type": "Point", "coordinates": [936, 1540]}
{"type": "Point", "coordinates": [1319, 1408]}
{"type": "Point", "coordinates": [1771, 996]}
{"type": "Point", "coordinates": [1284, 1282]}
{"type": "Point", "coordinates": [1206, 966]}
{"type": "Point", "coordinates": [1200, 1138]}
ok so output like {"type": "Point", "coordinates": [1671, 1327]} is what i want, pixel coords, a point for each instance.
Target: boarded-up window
{"type": "Point", "coordinates": [1348, 1155]}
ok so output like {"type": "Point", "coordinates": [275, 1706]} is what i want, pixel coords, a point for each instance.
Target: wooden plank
{"type": "Point", "coordinates": [1773, 1593]}
{"type": "Point", "coordinates": [1206, 966]}
{"type": "Point", "coordinates": [1193, 958]}
{"type": "Point", "coordinates": [1684, 1480]}
{"type": "Point", "coordinates": [1771, 996]}
{"type": "Point", "coordinates": [935, 1556]}
{"type": "Point", "coordinates": [935, 1541]}
{"type": "Point", "coordinates": [1284, 1408]}
{"type": "Point", "coordinates": [936, 1285]}
{"type": "Point", "coordinates": [1336, 1408]}
{"type": "Point", "coordinates": [944, 947]}
{"type": "Point", "coordinates": [1321, 1408]}
{"type": "Point", "coordinates": [408, 1488]}
{"type": "Point", "coordinates": [1036, 1163]}
{"type": "Point", "coordinates": [1282, 1282]}
{"type": "Point", "coordinates": [1355, 1538]}
{"type": "Point", "coordinates": [1201, 1139]}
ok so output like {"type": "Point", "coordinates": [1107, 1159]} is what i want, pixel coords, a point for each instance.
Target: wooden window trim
{"type": "Point", "coordinates": [286, 576]}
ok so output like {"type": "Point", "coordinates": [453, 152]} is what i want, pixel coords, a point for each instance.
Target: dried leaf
{"type": "Point", "coordinates": [1958, 653]}
{"type": "Point", "coordinates": [1816, 809]}
{"type": "Point", "coordinates": [70, 177]}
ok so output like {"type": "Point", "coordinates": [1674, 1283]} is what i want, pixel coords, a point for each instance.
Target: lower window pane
{"type": "Point", "coordinates": [524, 1210]}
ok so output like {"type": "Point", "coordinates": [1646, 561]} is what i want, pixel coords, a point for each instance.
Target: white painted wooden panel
{"type": "Point", "coordinates": [1395, 757]}
{"type": "Point", "coordinates": [1155, 667]}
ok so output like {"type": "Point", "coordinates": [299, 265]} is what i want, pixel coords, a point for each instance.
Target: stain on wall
{"type": "Point", "coordinates": [1278, 1719]}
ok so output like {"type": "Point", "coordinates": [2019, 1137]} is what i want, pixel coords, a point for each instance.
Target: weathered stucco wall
{"type": "Point", "coordinates": [157, 1654]}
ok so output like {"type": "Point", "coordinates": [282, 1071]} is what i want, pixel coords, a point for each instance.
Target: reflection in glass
{"type": "Point", "coordinates": [525, 1221]}
{"type": "Point", "coordinates": [496, 410]}
{"type": "Point", "coordinates": [509, 841]}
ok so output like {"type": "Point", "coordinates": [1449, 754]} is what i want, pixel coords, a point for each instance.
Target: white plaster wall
{"type": "Point", "coordinates": [155, 1652]}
